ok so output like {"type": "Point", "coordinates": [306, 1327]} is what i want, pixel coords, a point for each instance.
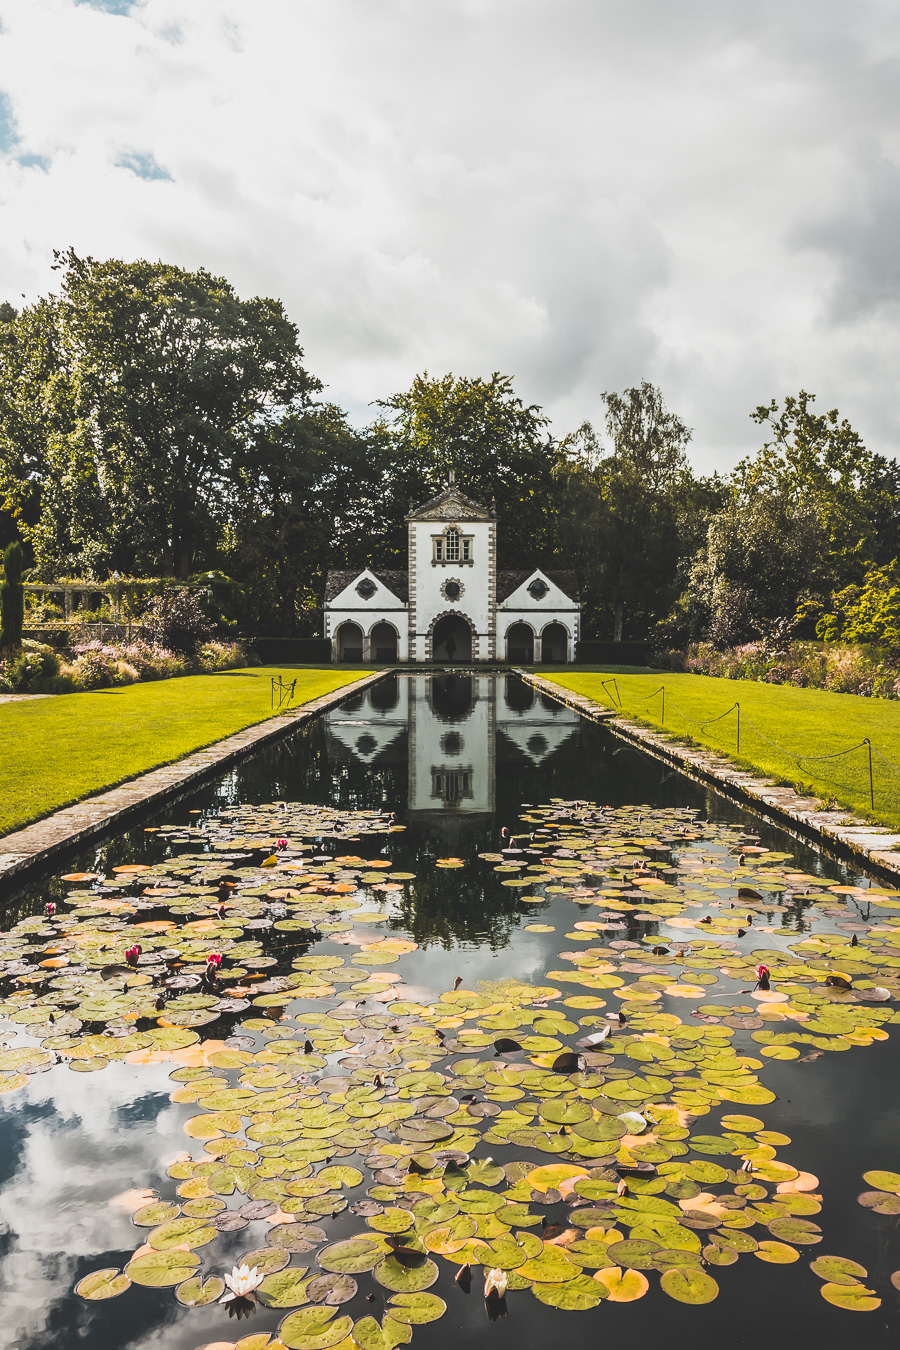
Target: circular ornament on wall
{"type": "Point", "coordinates": [453, 590]}
{"type": "Point", "coordinates": [538, 589]}
{"type": "Point", "coordinates": [366, 588]}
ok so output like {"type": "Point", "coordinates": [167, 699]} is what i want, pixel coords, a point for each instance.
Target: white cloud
{"type": "Point", "coordinates": [580, 193]}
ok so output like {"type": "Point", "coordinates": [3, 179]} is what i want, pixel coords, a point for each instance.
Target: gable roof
{"type": "Point", "coordinates": [451, 504]}
{"type": "Point", "coordinates": [397, 582]}
{"type": "Point", "coordinates": [507, 582]}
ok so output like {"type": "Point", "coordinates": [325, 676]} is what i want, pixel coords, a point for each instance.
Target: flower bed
{"type": "Point", "coordinates": [859, 669]}
{"type": "Point", "coordinates": [39, 669]}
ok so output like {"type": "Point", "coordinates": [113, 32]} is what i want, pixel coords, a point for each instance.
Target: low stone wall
{"type": "Point", "coordinates": [843, 832]}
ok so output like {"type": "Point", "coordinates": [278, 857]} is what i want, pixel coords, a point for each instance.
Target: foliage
{"type": "Point", "coordinates": [12, 599]}
{"type": "Point", "coordinates": [174, 620]}
{"type": "Point", "coordinates": [861, 669]}
{"type": "Point", "coordinates": [628, 516]}
{"type": "Point", "coordinates": [497, 445]}
{"type": "Point", "coordinates": [866, 613]}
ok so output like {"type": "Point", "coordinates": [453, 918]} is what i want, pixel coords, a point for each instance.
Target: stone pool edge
{"type": "Point", "coordinates": [849, 834]}
{"type": "Point", "coordinates": [34, 846]}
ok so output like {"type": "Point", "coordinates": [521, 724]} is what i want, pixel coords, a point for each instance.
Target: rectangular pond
{"type": "Point", "coordinates": [487, 999]}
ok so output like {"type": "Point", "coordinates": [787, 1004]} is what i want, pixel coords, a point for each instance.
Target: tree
{"type": "Point", "coordinates": [12, 599]}
{"type": "Point", "coordinates": [817, 463]}
{"type": "Point", "coordinates": [498, 446]}
{"type": "Point", "coordinates": [160, 377]}
{"type": "Point", "coordinates": [624, 512]}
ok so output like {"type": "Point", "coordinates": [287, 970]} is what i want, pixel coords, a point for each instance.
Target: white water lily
{"type": "Point", "coordinates": [241, 1282]}
{"type": "Point", "coordinates": [495, 1283]}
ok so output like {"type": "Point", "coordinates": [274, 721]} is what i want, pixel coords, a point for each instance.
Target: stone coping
{"type": "Point", "coordinates": [34, 846]}
{"type": "Point", "coordinates": [840, 831]}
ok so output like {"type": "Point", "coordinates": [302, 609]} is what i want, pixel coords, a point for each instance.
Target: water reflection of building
{"type": "Point", "coordinates": [454, 729]}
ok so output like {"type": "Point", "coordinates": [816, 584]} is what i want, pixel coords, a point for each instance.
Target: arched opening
{"type": "Point", "coordinates": [383, 638]}
{"type": "Point", "coordinates": [385, 695]}
{"type": "Point", "coordinates": [555, 644]}
{"type": "Point", "coordinates": [350, 642]}
{"type": "Point", "coordinates": [519, 695]}
{"type": "Point", "coordinates": [520, 644]}
{"type": "Point", "coordinates": [452, 696]}
{"type": "Point", "coordinates": [452, 639]}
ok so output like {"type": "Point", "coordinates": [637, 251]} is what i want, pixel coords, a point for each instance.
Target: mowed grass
{"type": "Point", "coordinates": [785, 733]}
{"type": "Point", "coordinates": [54, 751]}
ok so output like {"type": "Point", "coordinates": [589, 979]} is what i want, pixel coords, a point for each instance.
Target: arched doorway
{"type": "Point", "coordinates": [519, 695]}
{"type": "Point", "coordinates": [520, 644]}
{"type": "Point", "coordinates": [555, 644]}
{"type": "Point", "coordinates": [349, 642]}
{"type": "Point", "coordinates": [385, 695]}
{"type": "Point", "coordinates": [383, 638]}
{"type": "Point", "coordinates": [451, 639]}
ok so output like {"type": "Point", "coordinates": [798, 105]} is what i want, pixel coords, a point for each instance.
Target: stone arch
{"type": "Point", "coordinates": [348, 641]}
{"type": "Point", "coordinates": [520, 643]}
{"type": "Point", "coordinates": [457, 628]}
{"type": "Point", "coordinates": [384, 641]}
{"type": "Point", "coordinates": [555, 644]}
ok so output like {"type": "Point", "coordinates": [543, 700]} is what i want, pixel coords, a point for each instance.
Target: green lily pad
{"type": "Point", "coordinates": [883, 1181]}
{"type": "Point", "coordinates": [103, 1284]}
{"type": "Point", "coordinates": [800, 1231]}
{"type": "Point", "coordinates": [688, 1285]}
{"type": "Point", "coordinates": [177, 1232]}
{"type": "Point", "coordinates": [197, 1292]}
{"type": "Point", "coordinates": [158, 1270]}
{"type": "Point", "coordinates": [392, 1220]}
{"type": "Point", "coordinates": [551, 1266]}
{"type": "Point", "coordinates": [266, 1259]}
{"type": "Point", "coordinates": [852, 1297]}
{"type": "Point", "coordinates": [314, 1329]}
{"type": "Point", "coordinates": [417, 1308]}
{"type": "Point", "coordinates": [284, 1288]}
{"type": "Point", "coordinates": [573, 1296]}
{"type": "Point", "coordinates": [350, 1257]}
{"type": "Point", "coordinates": [404, 1277]}
{"type": "Point", "coordinates": [838, 1269]}
{"type": "Point", "coordinates": [368, 1335]}
{"type": "Point", "coordinates": [149, 1216]}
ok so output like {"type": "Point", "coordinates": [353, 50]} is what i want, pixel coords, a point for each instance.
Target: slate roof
{"type": "Point", "coordinates": [397, 583]}
{"type": "Point", "coordinates": [507, 582]}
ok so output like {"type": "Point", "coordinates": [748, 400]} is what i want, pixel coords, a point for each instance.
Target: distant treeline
{"type": "Point", "coordinates": [151, 422]}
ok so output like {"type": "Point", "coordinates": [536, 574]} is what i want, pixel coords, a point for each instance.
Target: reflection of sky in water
{"type": "Point", "coordinates": [70, 1142]}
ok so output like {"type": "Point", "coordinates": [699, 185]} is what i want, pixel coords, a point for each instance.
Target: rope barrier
{"type": "Point", "coordinates": [792, 755]}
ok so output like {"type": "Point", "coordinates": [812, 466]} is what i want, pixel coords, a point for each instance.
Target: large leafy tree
{"type": "Point", "coordinates": [629, 510]}
{"type": "Point", "coordinates": [158, 380]}
{"type": "Point", "coordinates": [498, 446]}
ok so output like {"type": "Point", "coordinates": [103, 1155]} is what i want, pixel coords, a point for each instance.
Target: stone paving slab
{"type": "Point", "coordinates": [34, 845]}
{"type": "Point", "coordinates": [865, 842]}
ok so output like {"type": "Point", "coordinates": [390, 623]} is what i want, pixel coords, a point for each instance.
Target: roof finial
{"type": "Point", "coordinates": [451, 478]}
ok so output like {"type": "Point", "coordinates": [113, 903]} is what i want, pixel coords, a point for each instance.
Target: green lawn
{"type": "Point", "coordinates": [54, 751]}
{"type": "Point", "coordinates": [778, 725]}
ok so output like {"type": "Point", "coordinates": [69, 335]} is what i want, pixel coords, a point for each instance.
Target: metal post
{"type": "Point", "coordinates": [868, 744]}
{"type": "Point", "coordinates": [663, 722]}
{"type": "Point", "coordinates": [738, 706]}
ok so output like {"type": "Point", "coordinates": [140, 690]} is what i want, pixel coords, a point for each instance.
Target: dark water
{"type": "Point", "coordinates": [455, 757]}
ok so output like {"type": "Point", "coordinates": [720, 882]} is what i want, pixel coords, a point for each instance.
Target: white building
{"type": "Point", "coordinates": [452, 604]}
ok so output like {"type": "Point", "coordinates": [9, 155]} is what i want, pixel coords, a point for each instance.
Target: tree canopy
{"type": "Point", "coordinates": [153, 422]}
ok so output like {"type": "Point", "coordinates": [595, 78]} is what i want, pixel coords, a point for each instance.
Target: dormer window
{"type": "Point", "coordinates": [452, 546]}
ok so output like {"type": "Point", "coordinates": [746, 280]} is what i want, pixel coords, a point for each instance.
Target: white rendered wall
{"type": "Point", "coordinates": [381, 607]}
{"type": "Point", "coordinates": [477, 579]}
{"type": "Point", "coordinates": [554, 607]}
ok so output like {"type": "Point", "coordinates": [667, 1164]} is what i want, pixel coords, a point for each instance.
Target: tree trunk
{"type": "Point", "coordinates": [617, 621]}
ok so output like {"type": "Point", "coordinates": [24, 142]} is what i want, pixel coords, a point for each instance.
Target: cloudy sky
{"type": "Point", "coordinates": [579, 193]}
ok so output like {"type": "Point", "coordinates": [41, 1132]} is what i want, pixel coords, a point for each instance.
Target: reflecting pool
{"type": "Point", "coordinates": [488, 997]}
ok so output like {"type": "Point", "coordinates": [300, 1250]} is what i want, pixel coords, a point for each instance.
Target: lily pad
{"type": "Point", "coordinates": [416, 1309]}
{"type": "Point", "coordinates": [158, 1270]}
{"type": "Point", "coordinates": [688, 1285]}
{"type": "Point", "coordinates": [331, 1289]}
{"type": "Point", "coordinates": [103, 1284]}
{"type": "Point", "coordinates": [314, 1329]}
{"type": "Point", "coordinates": [622, 1286]}
{"type": "Point", "coordinates": [284, 1288]}
{"type": "Point", "coordinates": [406, 1276]}
{"type": "Point", "coordinates": [838, 1269]}
{"type": "Point", "coordinates": [573, 1296]}
{"type": "Point", "coordinates": [852, 1297]}
{"type": "Point", "coordinates": [350, 1257]}
{"type": "Point", "coordinates": [197, 1292]}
